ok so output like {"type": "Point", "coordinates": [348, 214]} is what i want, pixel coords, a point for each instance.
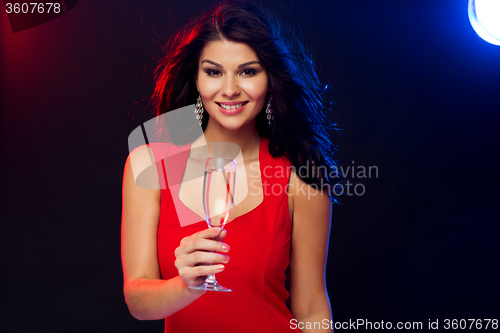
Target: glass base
{"type": "Point", "coordinates": [210, 285]}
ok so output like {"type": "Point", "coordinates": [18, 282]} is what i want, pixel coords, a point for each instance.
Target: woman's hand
{"type": "Point", "coordinates": [193, 257]}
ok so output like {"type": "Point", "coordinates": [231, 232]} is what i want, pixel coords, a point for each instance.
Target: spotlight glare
{"type": "Point", "coordinates": [484, 16]}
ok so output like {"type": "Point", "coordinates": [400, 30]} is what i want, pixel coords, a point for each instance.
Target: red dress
{"type": "Point", "coordinates": [260, 254]}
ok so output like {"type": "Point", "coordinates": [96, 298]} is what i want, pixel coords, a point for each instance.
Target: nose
{"type": "Point", "coordinates": [231, 87]}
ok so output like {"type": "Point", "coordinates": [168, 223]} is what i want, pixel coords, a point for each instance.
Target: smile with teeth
{"type": "Point", "coordinates": [231, 107]}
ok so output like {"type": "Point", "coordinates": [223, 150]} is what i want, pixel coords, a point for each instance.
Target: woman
{"type": "Point", "coordinates": [259, 90]}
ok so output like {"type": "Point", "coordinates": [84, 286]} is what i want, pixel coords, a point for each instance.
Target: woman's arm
{"type": "Point", "coordinates": [147, 296]}
{"type": "Point", "coordinates": [312, 211]}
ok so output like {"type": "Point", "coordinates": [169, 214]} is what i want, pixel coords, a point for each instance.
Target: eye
{"type": "Point", "coordinates": [212, 72]}
{"type": "Point", "coordinates": [248, 72]}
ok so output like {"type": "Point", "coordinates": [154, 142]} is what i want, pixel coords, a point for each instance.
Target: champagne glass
{"type": "Point", "coordinates": [218, 198]}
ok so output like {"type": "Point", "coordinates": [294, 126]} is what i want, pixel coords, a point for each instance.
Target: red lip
{"type": "Point", "coordinates": [233, 111]}
{"type": "Point", "coordinates": [231, 103]}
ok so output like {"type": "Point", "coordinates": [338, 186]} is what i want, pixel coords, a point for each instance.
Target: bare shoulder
{"type": "Point", "coordinates": [308, 200]}
{"type": "Point", "coordinates": [141, 188]}
{"type": "Point", "coordinates": [141, 168]}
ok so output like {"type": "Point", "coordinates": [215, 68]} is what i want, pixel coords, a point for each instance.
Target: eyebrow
{"type": "Point", "coordinates": [239, 66]}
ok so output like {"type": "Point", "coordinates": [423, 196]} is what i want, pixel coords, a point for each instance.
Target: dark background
{"type": "Point", "coordinates": [416, 92]}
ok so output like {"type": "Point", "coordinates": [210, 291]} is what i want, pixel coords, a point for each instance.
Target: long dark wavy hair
{"type": "Point", "coordinates": [300, 127]}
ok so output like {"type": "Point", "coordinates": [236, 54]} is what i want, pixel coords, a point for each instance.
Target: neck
{"type": "Point", "coordinates": [246, 137]}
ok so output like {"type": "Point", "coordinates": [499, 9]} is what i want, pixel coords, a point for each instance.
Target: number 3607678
{"type": "Point", "coordinates": [33, 7]}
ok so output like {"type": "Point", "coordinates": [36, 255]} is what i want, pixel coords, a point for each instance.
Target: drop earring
{"type": "Point", "coordinates": [269, 112]}
{"type": "Point", "coordinates": [199, 109]}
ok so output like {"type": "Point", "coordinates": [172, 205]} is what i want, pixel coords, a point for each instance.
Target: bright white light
{"type": "Point", "coordinates": [484, 15]}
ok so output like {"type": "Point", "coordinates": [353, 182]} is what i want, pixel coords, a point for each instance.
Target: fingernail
{"type": "Point", "coordinates": [220, 268]}
{"type": "Point", "coordinates": [216, 230]}
{"type": "Point", "coordinates": [225, 259]}
{"type": "Point", "coordinates": [225, 247]}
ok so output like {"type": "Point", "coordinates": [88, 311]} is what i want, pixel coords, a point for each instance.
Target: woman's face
{"type": "Point", "coordinates": [232, 83]}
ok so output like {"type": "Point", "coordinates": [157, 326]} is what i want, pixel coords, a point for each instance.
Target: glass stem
{"type": "Point", "coordinates": [211, 278]}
